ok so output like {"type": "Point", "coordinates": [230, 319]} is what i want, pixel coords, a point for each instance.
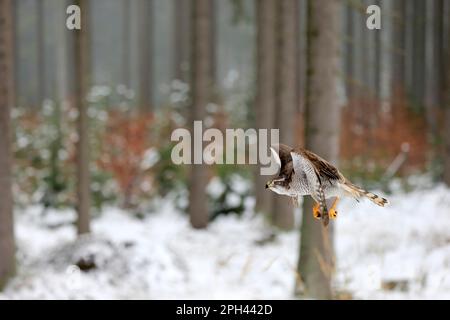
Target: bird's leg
{"type": "Point", "coordinates": [316, 211]}
{"type": "Point", "coordinates": [332, 213]}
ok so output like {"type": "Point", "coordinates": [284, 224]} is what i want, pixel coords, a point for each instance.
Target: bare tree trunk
{"type": "Point", "coordinates": [181, 40]}
{"type": "Point", "coordinates": [418, 89]}
{"type": "Point", "coordinates": [82, 86]}
{"type": "Point", "coordinates": [7, 246]}
{"type": "Point", "coordinates": [62, 54]}
{"type": "Point", "coordinates": [212, 53]}
{"type": "Point", "coordinates": [316, 263]}
{"type": "Point", "coordinates": [446, 49]}
{"type": "Point", "coordinates": [145, 56]}
{"type": "Point", "coordinates": [384, 84]}
{"type": "Point", "coordinates": [399, 30]}
{"type": "Point", "coordinates": [350, 52]}
{"type": "Point", "coordinates": [202, 82]}
{"type": "Point", "coordinates": [266, 84]}
{"type": "Point", "coordinates": [287, 95]}
{"type": "Point", "coordinates": [41, 69]}
{"type": "Point", "coordinates": [434, 67]}
{"type": "Point", "coordinates": [409, 46]}
{"type": "Point", "coordinates": [301, 59]}
{"type": "Point", "coordinates": [126, 43]}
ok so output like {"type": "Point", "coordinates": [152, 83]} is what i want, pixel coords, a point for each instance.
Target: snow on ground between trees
{"type": "Point", "coordinates": [402, 251]}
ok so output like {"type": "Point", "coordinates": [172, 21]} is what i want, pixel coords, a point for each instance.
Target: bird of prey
{"type": "Point", "coordinates": [302, 173]}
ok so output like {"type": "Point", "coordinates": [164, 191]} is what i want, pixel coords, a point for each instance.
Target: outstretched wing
{"type": "Point", "coordinates": [322, 168]}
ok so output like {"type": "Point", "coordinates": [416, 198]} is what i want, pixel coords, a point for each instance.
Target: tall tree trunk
{"type": "Point", "coordinates": [41, 69]}
{"type": "Point", "coordinates": [126, 43]}
{"type": "Point", "coordinates": [446, 48]}
{"type": "Point", "coordinates": [384, 84]}
{"type": "Point", "coordinates": [434, 67]}
{"type": "Point", "coordinates": [350, 52]}
{"type": "Point", "coordinates": [145, 55]}
{"type": "Point", "coordinates": [398, 50]}
{"type": "Point", "coordinates": [266, 84]}
{"type": "Point", "coordinates": [409, 46]}
{"type": "Point", "coordinates": [301, 61]}
{"type": "Point", "coordinates": [63, 81]}
{"type": "Point", "coordinates": [418, 89]}
{"type": "Point", "coordinates": [202, 82]}
{"type": "Point", "coordinates": [181, 40]}
{"type": "Point", "coordinates": [287, 95]}
{"type": "Point", "coordinates": [316, 263]}
{"type": "Point", "coordinates": [7, 246]}
{"type": "Point", "coordinates": [82, 85]}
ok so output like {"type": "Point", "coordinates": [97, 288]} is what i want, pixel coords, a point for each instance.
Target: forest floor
{"type": "Point", "coordinates": [402, 251]}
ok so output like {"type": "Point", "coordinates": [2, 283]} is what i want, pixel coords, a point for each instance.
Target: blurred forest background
{"type": "Point", "coordinates": [86, 118]}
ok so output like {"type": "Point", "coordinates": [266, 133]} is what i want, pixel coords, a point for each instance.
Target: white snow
{"type": "Point", "coordinates": [402, 251]}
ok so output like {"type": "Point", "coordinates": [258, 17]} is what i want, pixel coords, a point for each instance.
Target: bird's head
{"type": "Point", "coordinates": [279, 185]}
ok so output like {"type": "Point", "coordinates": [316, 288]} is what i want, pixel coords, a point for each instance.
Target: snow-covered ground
{"type": "Point", "coordinates": [402, 251]}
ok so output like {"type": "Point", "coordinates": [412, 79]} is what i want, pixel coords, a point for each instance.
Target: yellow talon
{"type": "Point", "coordinates": [332, 213]}
{"type": "Point", "coordinates": [316, 211]}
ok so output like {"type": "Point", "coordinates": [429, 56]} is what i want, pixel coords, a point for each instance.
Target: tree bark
{"type": "Point", "coordinates": [287, 95]}
{"type": "Point", "coordinates": [63, 70]}
{"type": "Point", "coordinates": [385, 88]}
{"type": "Point", "coordinates": [418, 89]}
{"type": "Point", "coordinates": [41, 69]}
{"type": "Point", "coordinates": [409, 46]}
{"type": "Point", "coordinates": [82, 87]}
{"type": "Point", "coordinates": [265, 92]}
{"type": "Point", "coordinates": [145, 55]}
{"type": "Point", "coordinates": [446, 49]}
{"type": "Point", "coordinates": [399, 30]}
{"type": "Point", "coordinates": [350, 52]}
{"type": "Point", "coordinates": [7, 245]}
{"type": "Point", "coordinates": [126, 43]}
{"type": "Point", "coordinates": [434, 67]}
{"type": "Point", "coordinates": [202, 82]}
{"type": "Point", "coordinates": [181, 40]}
{"type": "Point", "coordinates": [316, 263]}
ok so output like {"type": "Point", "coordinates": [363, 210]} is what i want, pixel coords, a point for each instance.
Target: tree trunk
{"type": "Point", "coordinates": [418, 89]}
{"type": "Point", "coordinates": [265, 95]}
{"type": "Point", "coordinates": [41, 70]}
{"type": "Point", "coordinates": [63, 82]}
{"type": "Point", "coordinates": [181, 40]}
{"type": "Point", "coordinates": [434, 67]}
{"type": "Point", "coordinates": [287, 95]}
{"type": "Point", "coordinates": [7, 246]}
{"type": "Point", "coordinates": [399, 30]}
{"type": "Point", "coordinates": [316, 263]}
{"type": "Point", "coordinates": [145, 55]}
{"type": "Point", "coordinates": [82, 86]}
{"type": "Point", "coordinates": [384, 84]}
{"type": "Point", "coordinates": [446, 48]}
{"type": "Point", "coordinates": [409, 46]}
{"type": "Point", "coordinates": [126, 43]}
{"type": "Point", "coordinates": [350, 52]}
{"type": "Point", "coordinates": [202, 82]}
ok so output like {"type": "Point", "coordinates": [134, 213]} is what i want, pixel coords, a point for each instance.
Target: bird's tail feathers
{"type": "Point", "coordinates": [358, 192]}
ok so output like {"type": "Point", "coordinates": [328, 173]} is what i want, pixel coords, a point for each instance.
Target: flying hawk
{"type": "Point", "coordinates": [304, 173]}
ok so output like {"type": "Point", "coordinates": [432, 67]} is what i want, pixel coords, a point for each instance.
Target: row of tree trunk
{"type": "Point", "coordinates": [7, 246]}
{"type": "Point", "coordinates": [277, 91]}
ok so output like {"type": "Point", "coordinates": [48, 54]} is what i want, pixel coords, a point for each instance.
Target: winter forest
{"type": "Point", "coordinates": [93, 206]}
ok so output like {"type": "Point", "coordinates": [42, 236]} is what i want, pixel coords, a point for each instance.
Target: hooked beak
{"type": "Point", "coordinates": [269, 184]}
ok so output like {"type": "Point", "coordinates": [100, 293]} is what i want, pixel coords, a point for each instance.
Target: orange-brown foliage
{"type": "Point", "coordinates": [125, 141]}
{"type": "Point", "coordinates": [374, 133]}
